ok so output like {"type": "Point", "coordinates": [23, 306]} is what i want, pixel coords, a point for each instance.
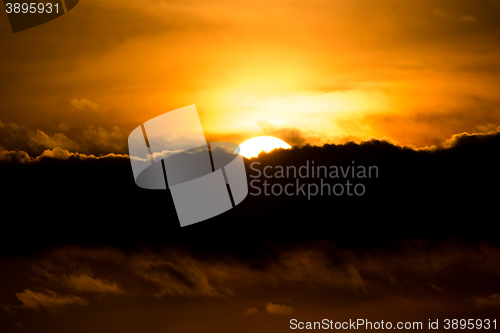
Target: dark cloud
{"type": "Point", "coordinates": [190, 271]}
{"type": "Point", "coordinates": [87, 140]}
{"type": "Point", "coordinates": [488, 301]}
{"type": "Point", "coordinates": [292, 136]}
{"type": "Point", "coordinates": [413, 266]}
{"type": "Point", "coordinates": [85, 283]}
{"type": "Point", "coordinates": [47, 299]}
{"type": "Point", "coordinates": [14, 156]}
{"type": "Point", "coordinates": [415, 192]}
{"type": "Point", "coordinates": [181, 276]}
{"type": "Point", "coordinates": [76, 276]}
{"type": "Point", "coordinates": [282, 279]}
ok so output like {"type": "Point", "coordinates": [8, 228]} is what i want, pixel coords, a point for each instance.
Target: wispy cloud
{"type": "Point", "coordinates": [48, 299]}
{"type": "Point", "coordinates": [85, 105]}
{"type": "Point", "coordinates": [488, 301]}
{"type": "Point", "coordinates": [88, 284]}
{"type": "Point", "coordinates": [178, 276]}
{"type": "Point", "coordinates": [279, 309]}
{"type": "Point", "coordinates": [453, 16]}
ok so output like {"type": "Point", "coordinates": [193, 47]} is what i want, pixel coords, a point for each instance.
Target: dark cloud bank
{"type": "Point", "coordinates": [85, 249]}
{"type": "Point", "coordinates": [429, 193]}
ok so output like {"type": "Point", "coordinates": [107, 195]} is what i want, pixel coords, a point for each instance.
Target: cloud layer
{"type": "Point", "coordinates": [47, 300]}
{"type": "Point", "coordinates": [415, 269]}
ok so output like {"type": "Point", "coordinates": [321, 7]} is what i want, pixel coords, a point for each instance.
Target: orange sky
{"type": "Point", "coordinates": [325, 71]}
{"type": "Point", "coordinates": [316, 71]}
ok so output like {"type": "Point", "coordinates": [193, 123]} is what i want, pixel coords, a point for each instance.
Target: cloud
{"type": "Point", "coordinates": [415, 264]}
{"type": "Point", "coordinates": [455, 17]}
{"type": "Point", "coordinates": [165, 154]}
{"type": "Point", "coordinates": [98, 138]}
{"type": "Point", "coordinates": [39, 138]}
{"type": "Point", "coordinates": [56, 153]}
{"type": "Point", "coordinates": [408, 181]}
{"type": "Point", "coordinates": [464, 139]}
{"type": "Point", "coordinates": [61, 154]}
{"type": "Point", "coordinates": [311, 266]}
{"type": "Point", "coordinates": [85, 105]}
{"type": "Point", "coordinates": [404, 274]}
{"type": "Point", "coordinates": [87, 140]}
{"type": "Point", "coordinates": [300, 116]}
{"type": "Point", "coordinates": [488, 301]}
{"type": "Point", "coordinates": [468, 18]}
{"type": "Point", "coordinates": [180, 276]}
{"type": "Point", "coordinates": [279, 309]}
{"type": "Point", "coordinates": [88, 284]}
{"type": "Point", "coordinates": [68, 273]}
{"type": "Point", "coordinates": [487, 128]}
{"type": "Point", "coordinates": [292, 136]}
{"type": "Point", "coordinates": [250, 311]}
{"type": "Point", "coordinates": [48, 300]}
{"type": "Point", "coordinates": [436, 288]}
{"type": "Point", "coordinates": [20, 157]}
{"type": "Point", "coordinates": [92, 138]}
{"type": "Point", "coordinates": [187, 276]}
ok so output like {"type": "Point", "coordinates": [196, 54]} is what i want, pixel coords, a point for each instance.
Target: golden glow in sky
{"type": "Point", "coordinates": [312, 72]}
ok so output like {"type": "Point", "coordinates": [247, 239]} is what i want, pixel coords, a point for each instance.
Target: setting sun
{"type": "Point", "coordinates": [254, 146]}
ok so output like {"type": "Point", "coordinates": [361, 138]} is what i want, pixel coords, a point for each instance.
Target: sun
{"type": "Point", "coordinates": [252, 147]}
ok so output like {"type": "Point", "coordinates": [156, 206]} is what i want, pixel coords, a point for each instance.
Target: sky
{"type": "Point", "coordinates": [416, 71]}
{"type": "Point", "coordinates": [410, 87]}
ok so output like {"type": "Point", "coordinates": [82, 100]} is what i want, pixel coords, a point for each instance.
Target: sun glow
{"type": "Point", "coordinates": [254, 146]}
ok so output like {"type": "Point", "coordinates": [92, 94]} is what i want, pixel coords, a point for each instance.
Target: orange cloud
{"type": "Point", "coordinates": [181, 276]}
{"type": "Point", "coordinates": [279, 309]}
{"type": "Point", "coordinates": [48, 300]}
{"type": "Point", "coordinates": [488, 301]}
{"type": "Point", "coordinates": [7, 156]}
{"type": "Point", "coordinates": [86, 283]}
{"type": "Point", "coordinates": [85, 105]}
